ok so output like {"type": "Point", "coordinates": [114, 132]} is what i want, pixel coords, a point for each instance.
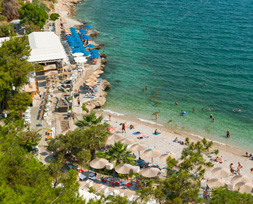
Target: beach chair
{"type": "Point", "coordinates": [117, 184]}
{"type": "Point", "coordinates": [111, 184]}
{"type": "Point", "coordinates": [128, 185]}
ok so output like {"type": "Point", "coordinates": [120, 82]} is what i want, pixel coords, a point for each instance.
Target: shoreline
{"type": "Point", "coordinates": [232, 153]}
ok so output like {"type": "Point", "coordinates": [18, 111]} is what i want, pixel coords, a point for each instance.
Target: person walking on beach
{"type": "Point", "coordinates": [78, 101]}
{"type": "Point", "coordinates": [40, 95]}
{"type": "Point", "coordinates": [123, 127]}
{"type": "Point", "coordinates": [239, 168]}
{"type": "Point", "coordinates": [109, 115]}
{"type": "Point", "coordinates": [156, 115]}
{"type": "Point", "coordinates": [232, 169]}
{"type": "Point", "coordinates": [228, 134]}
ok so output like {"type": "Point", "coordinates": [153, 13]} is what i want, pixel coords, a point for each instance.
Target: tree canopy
{"type": "Point", "coordinates": [30, 14]}
{"type": "Point", "coordinates": [14, 69]}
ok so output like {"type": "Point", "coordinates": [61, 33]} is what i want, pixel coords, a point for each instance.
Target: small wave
{"type": "Point", "coordinates": [220, 143]}
{"type": "Point", "coordinates": [114, 113]}
{"type": "Point", "coordinates": [148, 121]}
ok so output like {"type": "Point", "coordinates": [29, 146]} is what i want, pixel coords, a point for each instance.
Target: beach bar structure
{"type": "Point", "coordinates": [46, 48]}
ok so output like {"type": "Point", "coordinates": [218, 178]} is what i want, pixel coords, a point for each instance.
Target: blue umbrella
{"type": "Point", "coordinates": [94, 51]}
{"type": "Point", "coordinates": [90, 45]}
{"type": "Point", "coordinates": [94, 55]}
{"type": "Point", "coordinates": [86, 37]}
{"type": "Point", "coordinates": [88, 26]}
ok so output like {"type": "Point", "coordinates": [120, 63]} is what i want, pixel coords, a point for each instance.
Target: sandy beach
{"type": "Point", "coordinates": [164, 142]}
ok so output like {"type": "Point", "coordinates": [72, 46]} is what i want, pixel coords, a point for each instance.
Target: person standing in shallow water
{"type": "Point", "coordinates": [228, 134]}
{"type": "Point", "coordinates": [193, 109]}
{"type": "Point", "coordinates": [156, 116]}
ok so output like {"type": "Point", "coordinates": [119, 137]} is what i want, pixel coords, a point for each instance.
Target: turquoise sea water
{"type": "Point", "coordinates": [171, 47]}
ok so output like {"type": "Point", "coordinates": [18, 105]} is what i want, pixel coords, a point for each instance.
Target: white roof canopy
{"type": "Point", "coordinates": [46, 46]}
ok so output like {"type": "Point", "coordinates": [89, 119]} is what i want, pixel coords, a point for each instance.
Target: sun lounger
{"type": "Point", "coordinates": [136, 133]}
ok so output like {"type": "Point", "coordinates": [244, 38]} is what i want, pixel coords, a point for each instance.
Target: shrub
{"type": "Point", "coordinates": [54, 16]}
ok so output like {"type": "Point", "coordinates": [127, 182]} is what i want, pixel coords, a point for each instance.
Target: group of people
{"type": "Point", "coordinates": [232, 168]}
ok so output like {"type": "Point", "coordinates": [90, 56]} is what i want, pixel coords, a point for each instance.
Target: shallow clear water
{"type": "Point", "coordinates": [175, 48]}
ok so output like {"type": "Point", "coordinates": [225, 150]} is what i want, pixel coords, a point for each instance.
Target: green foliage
{"type": "Point", "coordinates": [119, 153]}
{"type": "Point", "coordinates": [7, 30]}
{"type": "Point", "coordinates": [19, 103]}
{"type": "Point", "coordinates": [24, 179]}
{"type": "Point", "coordinates": [52, 7]}
{"type": "Point", "coordinates": [89, 120]}
{"type": "Point", "coordinates": [14, 67]}
{"type": "Point", "coordinates": [3, 18]}
{"type": "Point", "coordinates": [224, 196]}
{"type": "Point", "coordinates": [29, 139]}
{"type": "Point", "coordinates": [183, 185]}
{"type": "Point", "coordinates": [31, 28]}
{"type": "Point", "coordinates": [70, 147]}
{"type": "Point", "coordinates": [54, 1]}
{"type": "Point", "coordinates": [41, 5]}
{"type": "Point", "coordinates": [84, 107]}
{"type": "Point", "coordinates": [54, 16]}
{"type": "Point", "coordinates": [32, 15]}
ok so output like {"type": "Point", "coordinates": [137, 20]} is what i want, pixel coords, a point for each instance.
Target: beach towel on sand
{"type": "Point", "coordinates": [136, 133]}
{"type": "Point", "coordinates": [141, 137]}
{"type": "Point", "coordinates": [157, 133]}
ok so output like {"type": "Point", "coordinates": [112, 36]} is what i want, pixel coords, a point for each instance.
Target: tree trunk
{"type": "Point", "coordinates": [93, 154]}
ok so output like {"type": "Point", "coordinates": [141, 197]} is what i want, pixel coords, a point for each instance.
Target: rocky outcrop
{"type": "Point", "coordinates": [100, 101]}
{"type": "Point", "coordinates": [103, 55]}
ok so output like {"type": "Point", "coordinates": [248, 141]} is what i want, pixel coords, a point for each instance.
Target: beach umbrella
{"type": "Point", "coordinates": [88, 26]}
{"type": "Point", "coordinates": [78, 54]}
{"type": "Point", "coordinates": [138, 147]}
{"type": "Point", "coordinates": [124, 168]}
{"type": "Point", "coordinates": [127, 141]}
{"type": "Point", "coordinates": [214, 183]}
{"type": "Point", "coordinates": [244, 187]}
{"type": "Point", "coordinates": [150, 172]}
{"type": "Point", "coordinates": [91, 83]}
{"type": "Point", "coordinates": [80, 59]}
{"type": "Point", "coordinates": [85, 37]}
{"type": "Point", "coordinates": [115, 137]}
{"type": "Point", "coordinates": [98, 72]}
{"type": "Point", "coordinates": [221, 172]}
{"type": "Point", "coordinates": [95, 55]}
{"type": "Point", "coordinates": [151, 153]}
{"type": "Point", "coordinates": [91, 46]}
{"type": "Point", "coordinates": [164, 157]}
{"type": "Point", "coordinates": [66, 73]}
{"type": "Point", "coordinates": [95, 75]}
{"type": "Point", "coordinates": [241, 178]}
{"type": "Point", "coordinates": [92, 77]}
{"type": "Point", "coordinates": [98, 163]}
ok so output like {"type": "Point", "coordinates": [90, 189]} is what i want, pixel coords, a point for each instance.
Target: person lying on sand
{"type": "Point", "coordinates": [156, 132]}
{"type": "Point", "coordinates": [251, 170]}
{"type": "Point", "coordinates": [131, 127]}
{"type": "Point", "coordinates": [247, 154]}
{"type": "Point", "coordinates": [182, 142]}
{"type": "Point", "coordinates": [175, 140]}
{"type": "Point", "coordinates": [218, 159]}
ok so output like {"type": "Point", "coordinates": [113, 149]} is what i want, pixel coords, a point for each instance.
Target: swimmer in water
{"type": "Point", "coordinates": [213, 120]}
{"type": "Point", "coordinates": [176, 103]}
{"type": "Point", "coordinates": [143, 90]}
{"type": "Point", "coordinates": [211, 116]}
{"type": "Point", "coordinates": [234, 110]}
{"type": "Point", "coordinates": [193, 109]}
{"type": "Point", "coordinates": [239, 110]}
{"type": "Point", "coordinates": [202, 109]}
{"type": "Point", "coordinates": [146, 87]}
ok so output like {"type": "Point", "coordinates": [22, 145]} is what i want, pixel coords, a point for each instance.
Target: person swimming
{"type": "Point", "coordinates": [211, 116]}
